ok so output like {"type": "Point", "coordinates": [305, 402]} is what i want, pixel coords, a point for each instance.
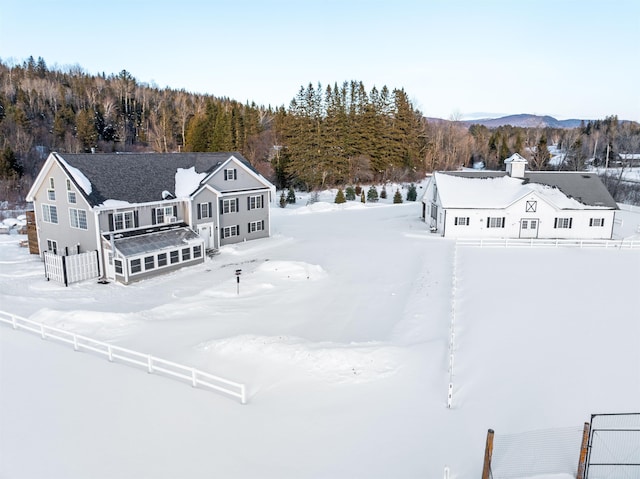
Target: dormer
{"type": "Point", "coordinates": [515, 165]}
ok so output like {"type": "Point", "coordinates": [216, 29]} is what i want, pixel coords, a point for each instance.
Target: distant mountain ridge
{"type": "Point", "coordinates": [526, 120]}
{"type": "Point", "coordinates": [523, 120]}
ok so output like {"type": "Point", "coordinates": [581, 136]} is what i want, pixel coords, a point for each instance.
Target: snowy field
{"type": "Point", "coordinates": [341, 333]}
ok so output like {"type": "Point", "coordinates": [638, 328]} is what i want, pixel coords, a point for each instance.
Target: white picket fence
{"type": "Point", "coordinates": [150, 363]}
{"type": "Point", "coordinates": [547, 243]}
{"type": "Point", "coordinates": [72, 268]}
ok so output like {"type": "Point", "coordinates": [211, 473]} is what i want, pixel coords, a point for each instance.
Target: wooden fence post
{"type": "Point", "coordinates": [582, 463]}
{"type": "Point", "coordinates": [488, 452]}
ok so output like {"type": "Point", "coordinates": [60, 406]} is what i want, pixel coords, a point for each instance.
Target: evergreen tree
{"type": "Point", "coordinates": [412, 193]}
{"type": "Point", "coordinates": [86, 131]}
{"type": "Point", "coordinates": [397, 197]}
{"type": "Point", "coordinates": [383, 193]}
{"type": "Point", "coordinates": [291, 196]}
{"type": "Point", "coordinates": [350, 193]}
{"type": "Point", "coordinates": [283, 200]}
{"type": "Point", "coordinates": [372, 194]}
{"type": "Point", "coordinates": [340, 197]}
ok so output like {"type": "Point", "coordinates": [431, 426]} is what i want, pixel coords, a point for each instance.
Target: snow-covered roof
{"type": "Point", "coordinates": [497, 190]}
{"type": "Point", "coordinates": [137, 178]}
{"type": "Point", "coordinates": [515, 158]}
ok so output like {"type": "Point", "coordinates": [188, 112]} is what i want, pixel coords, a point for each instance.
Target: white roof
{"type": "Point", "coordinates": [496, 193]}
{"type": "Point", "coordinates": [515, 158]}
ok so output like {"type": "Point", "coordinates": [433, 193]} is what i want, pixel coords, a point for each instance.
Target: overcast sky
{"type": "Point", "coordinates": [564, 58]}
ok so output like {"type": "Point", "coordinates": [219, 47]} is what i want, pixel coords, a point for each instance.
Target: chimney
{"type": "Point", "coordinates": [515, 165]}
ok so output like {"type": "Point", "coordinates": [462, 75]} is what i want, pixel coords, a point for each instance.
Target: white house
{"type": "Point", "coordinates": [148, 213]}
{"type": "Point", "coordinates": [518, 204]}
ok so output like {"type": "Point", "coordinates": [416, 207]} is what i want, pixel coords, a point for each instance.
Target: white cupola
{"type": "Point", "coordinates": [515, 165]}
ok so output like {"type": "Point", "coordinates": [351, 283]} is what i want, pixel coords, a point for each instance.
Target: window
{"type": "Point", "coordinates": [165, 214]}
{"type": "Point", "coordinates": [197, 251]}
{"type": "Point", "coordinates": [51, 195]}
{"type": "Point", "coordinates": [204, 210]}
{"type": "Point", "coordinates": [162, 259]}
{"type": "Point", "coordinates": [52, 246]}
{"type": "Point", "coordinates": [118, 266]}
{"type": "Point", "coordinates": [230, 174]}
{"type": "Point", "coordinates": [51, 184]}
{"type": "Point", "coordinates": [78, 218]}
{"type": "Point", "coordinates": [174, 256]}
{"type": "Point", "coordinates": [230, 231]}
{"type": "Point", "coordinates": [435, 193]}
{"type": "Point", "coordinates": [255, 226]}
{"type": "Point", "coordinates": [254, 202]}
{"type": "Point", "coordinates": [596, 221]}
{"type": "Point", "coordinates": [50, 214]}
{"type": "Point", "coordinates": [149, 262]}
{"type": "Point", "coordinates": [531, 206]}
{"type": "Point", "coordinates": [68, 184]}
{"type": "Point", "coordinates": [71, 197]}
{"type": "Point", "coordinates": [186, 254]}
{"type": "Point", "coordinates": [434, 211]}
{"type": "Point", "coordinates": [230, 206]}
{"type": "Point", "coordinates": [136, 266]}
{"type": "Point", "coordinates": [563, 223]}
{"type": "Point", "coordinates": [534, 224]}
{"type": "Point", "coordinates": [495, 222]}
{"type": "Point", "coordinates": [461, 221]}
{"type": "Point", "coordinates": [123, 220]}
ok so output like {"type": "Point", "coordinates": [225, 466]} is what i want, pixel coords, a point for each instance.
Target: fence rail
{"type": "Point", "coordinates": [547, 243]}
{"type": "Point", "coordinates": [151, 363]}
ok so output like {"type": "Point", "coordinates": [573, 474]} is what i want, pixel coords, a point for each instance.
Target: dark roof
{"type": "Point", "coordinates": [158, 240]}
{"type": "Point", "coordinates": [587, 188]}
{"type": "Point", "coordinates": [140, 177]}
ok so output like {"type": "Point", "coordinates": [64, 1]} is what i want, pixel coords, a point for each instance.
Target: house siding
{"type": "Point", "coordinates": [244, 216]}
{"type": "Point", "coordinates": [244, 179]}
{"type": "Point", "coordinates": [68, 239]}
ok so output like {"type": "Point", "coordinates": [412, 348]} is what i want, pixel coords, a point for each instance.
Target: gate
{"type": "Point", "coordinates": [614, 447]}
{"type": "Point", "coordinates": [71, 269]}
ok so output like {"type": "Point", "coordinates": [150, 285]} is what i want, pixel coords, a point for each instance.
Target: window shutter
{"type": "Point", "coordinates": [175, 210]}
{"type": "Point", "coordinates": [467, 221]}
{"type": "Point", "coordinates": [112, 227]}
{"type": "Point", "coordinates": [590, 221]}
{"type": "Point", "coordinates": [261, 201]}
{"type": "Point", "coordinates": [248, 227]}
{"type": "Point", "coordinates": [455, 221]}
{"type": "Point", "coordinates": [503, 221]}
{"type": "Point", "coordinates": [210, 212]}
{"type": "Point", "coordinates": [225, 175]}
{"type": "Point", "coordinates": [602, 222]}
{"type": "Point", "coordinates": [221, 208]}
{"type": "Point", "coordinates": [237, 204]}
{"type": "Point", "coordinates": [135, 219]}
{"type": "Point", "coordinates": [235, 174]}
{"type": "Point", "coordinates": [154, 220]}
{"type": "Point", "coordinates": [248, 203]}
{"type": "Point", "coordinates": [570, 222]}
{"type": "Point", "coordinates": [555, 223]}
{"type": "Point", "coordinates": [199, 211]}
{"type": "Point", "coordinates": [488, 224]}
{"type": "Point", "coordinates": [263, 224]}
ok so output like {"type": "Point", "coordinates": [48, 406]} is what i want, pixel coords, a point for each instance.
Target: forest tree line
{"type": "Point", "coordinates": [327, 136]}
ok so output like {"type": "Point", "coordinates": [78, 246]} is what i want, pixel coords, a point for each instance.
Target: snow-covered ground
{"type": "Point", "coordinates": [341, 333]}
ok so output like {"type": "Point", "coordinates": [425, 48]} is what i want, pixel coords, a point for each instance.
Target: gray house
{"type": "Point", "coordinates": [147, 213]}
